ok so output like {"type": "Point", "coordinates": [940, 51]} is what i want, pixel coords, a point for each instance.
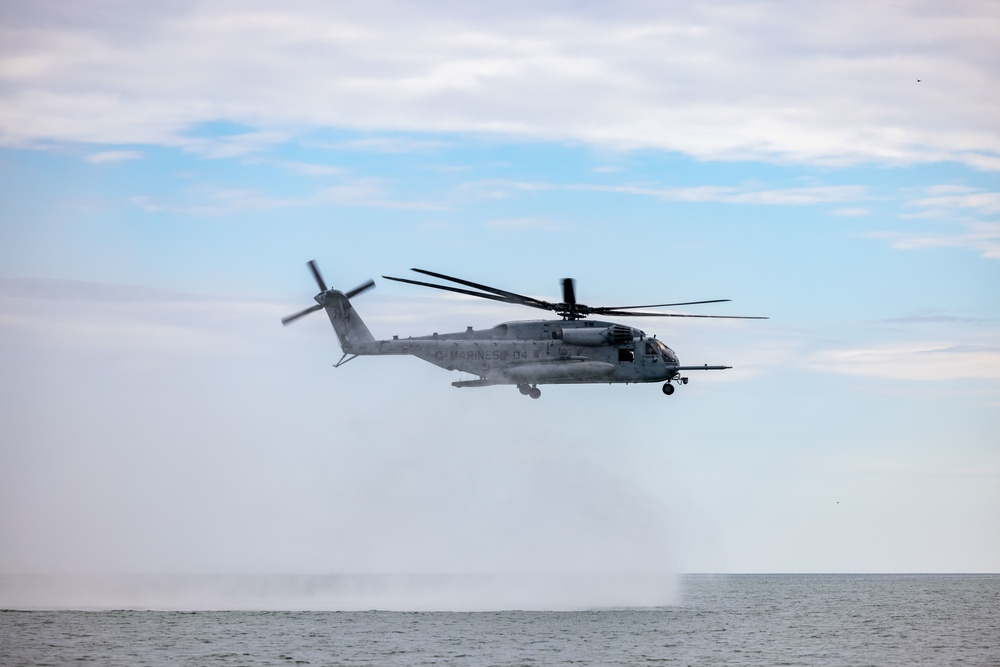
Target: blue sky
{"type": "Point", "coordinates": [165, 173]}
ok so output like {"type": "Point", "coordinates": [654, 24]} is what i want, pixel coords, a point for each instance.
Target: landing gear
{"type": "Point", "coordinates": [668, 388]}
{"type": "Point", "coordinates": [526, 390]}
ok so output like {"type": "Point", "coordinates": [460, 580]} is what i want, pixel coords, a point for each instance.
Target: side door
{"type": "Point", "coordinates": [651, 359]}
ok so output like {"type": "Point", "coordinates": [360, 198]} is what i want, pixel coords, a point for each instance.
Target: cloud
{"type": "Point", "coordinates": [895, 467]}
{"type": "Point", "coordinates": [111, 157]}
{"type": "Point", "coordinates": [369, 192]}
{"type": "Point", "coordinates": [392, 145]}
{"type": "Point", "coordinates": [981, 237]}
{"type": "Point", "coordinates": [851, 212]}
{"type": "Point", "coordinates": [311, 168]}
{"type": "Point", "coordinates": [120, 319]}
{"type": "Point", "coordinates": [947, 200]}
{"type": "Point", "coordinates": [916, 362]}
{"type": "Point", "coordinates": [698, 194]}
{"type": "Point", "coordinates": [742, 80]}
{"type": "Point", "coordinates": [933, 317]}
{"type": "Point", "coordinates": [234, 145]}
{"type": "Point", "coordinates": [211, 199]}
{"type": "Point", "coordinates": [973, 211]}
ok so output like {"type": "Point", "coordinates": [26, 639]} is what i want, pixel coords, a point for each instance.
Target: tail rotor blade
{"type": "Point", "coordinates": [302, 313]}
{"type": "Point", "coordinates": [359, 289]}
{"type": "Point", "coordinates": [316, 275]}
{"type": "Point", "coordinates": [322, 297]}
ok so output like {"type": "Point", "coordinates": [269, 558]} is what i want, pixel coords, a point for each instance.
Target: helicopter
{"type": "Point", "coordinates": [523, 353]}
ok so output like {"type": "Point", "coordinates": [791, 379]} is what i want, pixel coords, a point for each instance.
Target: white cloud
{"type": "Point", "coordinates": [123, 319]}
{"type": "Point", "coordinates": [763, 80]}
{"type": "Point", "coordinates": [232, 145]}
{"type": "Point", "coordinates": [968, 209]}
{"type": "Point", "coordinates": [213, 200]}
{"type": "Point", "coordinates": [851, 212]}
{"type": "Point", "coordinates": [311, 169]}
{"type": "Point", "coordinates": [111, 157]}
{"type": "Point", "coordinates": [916, 362]}
{"type": "Point", "coordinates": [977, 201]}
{"type": "Point", "coordinates": [704, 193]}
{"type": "Point", "coordinates": [369, 192]}
{"type": "Point", "coordinates": [392, 145]}
{"type": "Point", "coordinates": [980, 237]}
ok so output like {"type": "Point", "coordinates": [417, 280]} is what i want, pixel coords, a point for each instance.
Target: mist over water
{"type": "Point", "coordinates": [412, 518]}
{"type": "Point", "coordinates": [337, 592]}
{"type": "Point", "coordinates": [423, 523]}
{"type": "Point", "coordinates": [424, 526]}
{"type": "Point", "coordinates": [373, 486]}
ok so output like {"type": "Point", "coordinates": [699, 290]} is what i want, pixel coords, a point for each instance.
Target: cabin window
{"type": "Point", "coordinates": [625, 355]}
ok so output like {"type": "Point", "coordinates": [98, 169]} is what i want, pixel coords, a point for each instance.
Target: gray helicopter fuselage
{"type": "Point", "coordinates": [525, 353]}
{"type": "Point", "coordinates": [539, 352]}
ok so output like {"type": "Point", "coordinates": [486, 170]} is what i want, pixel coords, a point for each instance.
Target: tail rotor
{"type": "Point", "coordinates": [359, 289]}
{"type": "Point", "coordinates": [323, 290]}
{"type": "Point", "coordinates": [302, 313]}
{"type": "Point", "coordinates": [316, 274]}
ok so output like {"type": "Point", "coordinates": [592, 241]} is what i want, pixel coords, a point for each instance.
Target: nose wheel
{"type": "Point", "coordinates": [668, 388]}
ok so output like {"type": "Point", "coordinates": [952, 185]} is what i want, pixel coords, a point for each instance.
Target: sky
{"type": "Point", "coordinates": [166, 171]}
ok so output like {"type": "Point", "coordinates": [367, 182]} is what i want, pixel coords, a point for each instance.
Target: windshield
{"type": "Point", "coordinates": [667, 354]}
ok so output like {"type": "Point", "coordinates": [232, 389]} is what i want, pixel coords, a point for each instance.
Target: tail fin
{"type": "Point", "coordinates": [350, 328]}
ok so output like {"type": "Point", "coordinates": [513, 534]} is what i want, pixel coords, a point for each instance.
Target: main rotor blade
{"type": "Point", "coordinates": [623, 313]}
{"type": "Point", "coordinates": [291, 318]}
{"type": "Point", "coordinates": [448, 288]}
{"type": "Point", "coordinates": [569, 308]}
{"type": "Point", "coordinates": [316, 275]}
{"type": "Point", "coordinates": [359, 289]}
{"type": "Point", "coordinates": [660, 305]}
{"type": "Point", "coordinates": [511, 297]}
{"type": "Point", "coordinates": [569, 294]}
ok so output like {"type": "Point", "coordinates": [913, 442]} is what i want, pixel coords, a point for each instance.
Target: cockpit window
{"type": "Point", "coordinates": [666, 352]}
{"type": "Point", "coordinates": [651, 348]}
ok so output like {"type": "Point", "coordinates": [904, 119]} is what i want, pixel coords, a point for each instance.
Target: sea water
{"type": "Point", "coordinates": [841, 620]}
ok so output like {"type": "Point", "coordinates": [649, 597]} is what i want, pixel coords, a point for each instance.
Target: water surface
{"type": "Point", "coordinates": [841, 620]}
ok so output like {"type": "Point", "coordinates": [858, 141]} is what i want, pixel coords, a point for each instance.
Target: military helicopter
{"type": "Point", "coordinates": [525, 353]}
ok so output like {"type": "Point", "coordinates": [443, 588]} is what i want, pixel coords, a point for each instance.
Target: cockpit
{"type": "Point", "coordinates": [655, 346]}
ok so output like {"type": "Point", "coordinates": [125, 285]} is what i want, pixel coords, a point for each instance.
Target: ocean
{"type": "Point", "coordinates": [800, 619]}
